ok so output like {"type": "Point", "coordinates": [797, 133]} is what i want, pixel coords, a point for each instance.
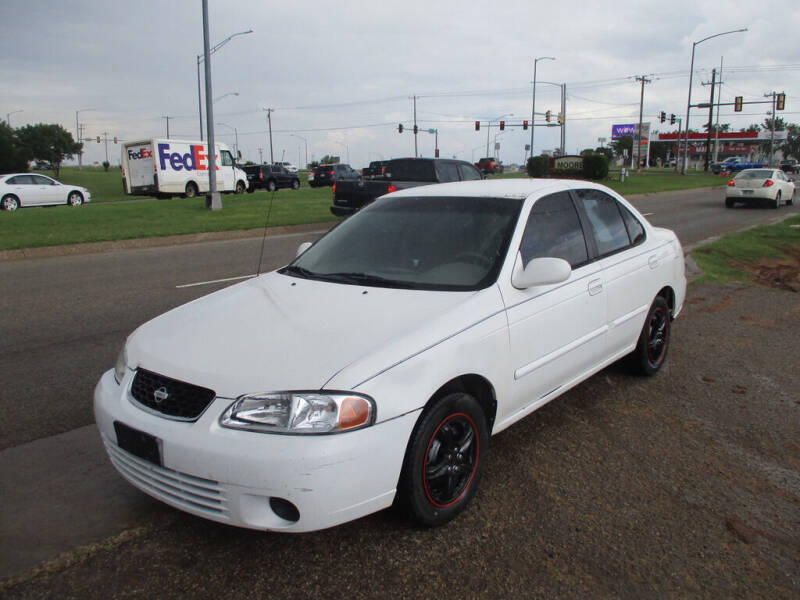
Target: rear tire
{"type": "Point", "coordinates": [271, 187]}
{"type": "Point", "coordinates": [777, 202]}
{"type": "Point", "coordinates": [296, 184]}
{"type": "Point", "coordinates": [444, 460]}
{"type": "Point", "coordinates": [651, 349]}
{"type": "Point", "coordinates": [729, 202]}
{"type": "Point", "coordinates": [191, 190]}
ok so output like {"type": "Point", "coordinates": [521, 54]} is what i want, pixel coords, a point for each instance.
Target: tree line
{"type": "Point", "coordinates": [46, 142]}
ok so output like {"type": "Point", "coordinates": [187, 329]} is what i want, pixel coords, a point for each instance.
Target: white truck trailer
{"type": "Point", "coordinates": [165, 168]}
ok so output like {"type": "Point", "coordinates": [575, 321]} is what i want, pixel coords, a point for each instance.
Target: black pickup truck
{"type": "Point", "coordinates": [398, 174]}
{"type": "Point", "coordinates": [270, 178]}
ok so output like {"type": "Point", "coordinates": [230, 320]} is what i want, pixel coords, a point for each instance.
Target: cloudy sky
{"type": "Point", "coordinates": [340, 76]}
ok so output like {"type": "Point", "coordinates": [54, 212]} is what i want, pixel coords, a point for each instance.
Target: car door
{"type": "Point", "coordinates": [49, 191]}
{"type": "Point", "coordinates": [631, 266]}
{"type": "Point", "coordinates": [24, 188]}
{"type": "Point", "coordinates": [556, 332]}
{"type": "Point", "coordinates": [225, 173]}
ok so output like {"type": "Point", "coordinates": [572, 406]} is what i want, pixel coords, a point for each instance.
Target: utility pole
{"type": "Point", "coordinates": [261, 156]}
{"type": "Point", "coordinates": [167, 118]}
{"type": "Point", "coordinates": [269, 112]}
{"type": "Point", "coordinates": [716, 129]}
{"type": "Point", "coordinates": [772, 94]}
{"type": "Point", "coordinates": [563, 118]}
{"type": "Point", "coordinates": [644, 80]}
{"type": "Point", "coordinates": [415, 127]}
{"type": "Point", "coordinates": [710, 119]}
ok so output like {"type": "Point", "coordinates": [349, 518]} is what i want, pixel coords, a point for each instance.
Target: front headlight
{"type": "Point", "coordinates": [300, 412]}
{"type": "Point", "coordinates": [121, 365]}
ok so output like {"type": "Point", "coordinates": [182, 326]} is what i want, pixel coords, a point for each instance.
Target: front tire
{"type": "Point", "coordinates": [444, 460]}
{"type": "Point", "coordinates": [240, 187]}
{"type": "Point", "coordinates": [9, 203]}
{"type": "Point", "coordinates": [75, 199]}
{"type": "Point", "coordinates": [651, 349]}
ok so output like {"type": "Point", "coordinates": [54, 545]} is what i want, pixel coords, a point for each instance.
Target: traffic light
{"type": "Point", "coordinates": [547, 116]}
{"type": "Point", "coordinates": [502, 125]}
{"type": "Point", "coordinates": [781, 102]}
{"type": "Point", "coordinates": [115, 139]}
{"type": "Point", "coordinates": [416, 129]}
{"type": "Point", "coordinates": [98, 139]}
{"type": "Point", "coordinates": [525, 125]}
{"type": "Point", "coordinates": [672, 119]}
{"type": "Point", "coordinates": [477, 125]}
{"type": "Point", "coordinates": [400, 128]}
{"type": "Point", "coordinates": [436, 153]}
{"type": "Point", "coordinates": [663, 116]}
{"type": "Point", "coordinates": [737, 103]}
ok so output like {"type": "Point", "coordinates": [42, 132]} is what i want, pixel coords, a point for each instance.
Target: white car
{"type": "Point", "coordinates": [18, 190]}
{"type": "Point", "coordinates": [380, 361]}
{"type": "Point", "coordinates": [760, 186]}
{"type": "Point", "coordinates": [288, 166]}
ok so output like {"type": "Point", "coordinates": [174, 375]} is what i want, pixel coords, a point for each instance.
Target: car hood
{"type": "Point", "coordinates": [278, 332]}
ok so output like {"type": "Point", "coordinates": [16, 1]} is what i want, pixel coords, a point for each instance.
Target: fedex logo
{"type": "Point", "coordinates": [143, 152]}
{"type": "Point", "coordinates": [194, 160]}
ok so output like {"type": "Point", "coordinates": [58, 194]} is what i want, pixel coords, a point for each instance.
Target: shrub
{"type": "Point", "coordinates": [106, 164]}
{"type": "Point", "coordinates": [537, 166]}
{"type": "Point", "coordinates": [595, 166]}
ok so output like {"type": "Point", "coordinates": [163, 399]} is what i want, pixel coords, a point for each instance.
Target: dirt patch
{"type": "Point", "coordinates": [782, 274]}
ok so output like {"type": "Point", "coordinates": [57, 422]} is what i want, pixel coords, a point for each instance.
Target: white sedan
{"type": "Point", "coordinates": [760, 186]}
{"type": "Point", "coordinates": [378, 363]}
{"type": "Point", "coordinates": [18, 190]}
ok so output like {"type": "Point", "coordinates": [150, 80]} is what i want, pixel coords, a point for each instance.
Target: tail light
{"type": "Point", "coordinates": [331, 173]}
{"type": "Point", "coordinates": [333, 189]}
{"type": "Point", "coordinates": [731, 183]}
{"type": "Point", "coordinates": [261, 175]}
{"type": "Point", "coordinates": [768, 183]}
{"type": "Point", "coordinates": [392, 188]}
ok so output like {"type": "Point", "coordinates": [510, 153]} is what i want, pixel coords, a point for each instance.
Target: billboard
{"type": "Point", "coordinates": [618, 131]}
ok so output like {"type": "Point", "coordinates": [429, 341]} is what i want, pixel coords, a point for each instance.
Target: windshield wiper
{"type": "Point", "coordinates": [299, 271]}
{"type": "Point", "coordinates": [365, 279]}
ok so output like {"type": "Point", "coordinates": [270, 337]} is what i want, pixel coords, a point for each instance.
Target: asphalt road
{"type": "Point", "coordinates": [77, 311]}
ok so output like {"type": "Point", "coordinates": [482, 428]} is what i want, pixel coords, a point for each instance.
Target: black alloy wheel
{"type": "Point", "coordinates": [444, 460]}
{"type": "Point", "coordinates": [651, 350]}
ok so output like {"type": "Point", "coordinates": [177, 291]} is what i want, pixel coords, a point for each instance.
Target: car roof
{"type": "Point", "coordinates": [499, 188]}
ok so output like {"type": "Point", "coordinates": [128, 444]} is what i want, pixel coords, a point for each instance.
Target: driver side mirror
{"type": "Point", "coordinates": [539, 271]}
{"type": "Point", "coordinates": [302, 248]}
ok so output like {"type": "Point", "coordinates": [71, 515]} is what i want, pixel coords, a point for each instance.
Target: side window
{"type": "Point", "coordinates": [447, 171]}
{"type": "Point", "coordinates": [226, 158]}
{"type": "Point", "coordinates": [39, 180]}
{"type": "Point", "coordinates": [468, 172]}
{"type": "Point", "coordinates": [554, 230]}
{"type": "Point", "coordinates": [21, 180]}
{"type": "Point", "coordinates": [606, 221]}
{"type": "Point", "coordinates": [632, 224]}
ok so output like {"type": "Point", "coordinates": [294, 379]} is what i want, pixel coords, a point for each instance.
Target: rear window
{"type": "Point", "coordinates": [411, 170]}
{"type": "Point", "coordinates": [755, 174]}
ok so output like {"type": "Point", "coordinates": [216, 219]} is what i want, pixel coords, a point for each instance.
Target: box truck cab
{"type": "Point", "coordinates": [164, 168]}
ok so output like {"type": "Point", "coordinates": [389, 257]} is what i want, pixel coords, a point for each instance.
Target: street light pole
{"type": "Point", "coordinates": [269, 127]}
{"type": "Point", "coordinates": [213, 200]}
{"type": "Point", "coordinates": [236, 136]}
{"type": "Point", "coordinates": [8, 116]}
{"type": "Point", "coordinates": [305, 141]}
{"type": "Point", "coordinates": [201, 58]}
{"type": "Point", "coordinates": [533, 100]}
{"type": "Point", "coordinates": [689, 101]}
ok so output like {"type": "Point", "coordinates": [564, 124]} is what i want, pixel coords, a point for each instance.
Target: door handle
{"type": "Point", "coordinates": [653, 262]}
{"type": "Point", "coordinates": [595, 287]}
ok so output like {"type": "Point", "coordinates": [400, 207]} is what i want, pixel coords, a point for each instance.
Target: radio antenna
{"type": "Point", "coordinates": [264, 237]}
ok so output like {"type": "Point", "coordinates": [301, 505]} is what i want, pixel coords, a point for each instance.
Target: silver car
{"type": "Point", "coordinates": [30, 189]}
{"type": "Point", "coordinates": [760, 186]}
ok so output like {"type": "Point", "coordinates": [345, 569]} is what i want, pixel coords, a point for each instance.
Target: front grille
{"type": "Point", "coordinates": [170, 397]}
{"type": "Point", "coordinates": [190, 493]}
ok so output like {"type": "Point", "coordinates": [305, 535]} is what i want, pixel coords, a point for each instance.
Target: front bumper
{"type": "Point", "coordinates": [233, 476]}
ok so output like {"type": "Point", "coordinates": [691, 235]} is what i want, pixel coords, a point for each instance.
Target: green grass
{"type": "Point", "coordinates": [50, 226]}
{"type": "Point", "coordinates": [732, 257]}
{"type": "Point", "coordinates": [114, 216]}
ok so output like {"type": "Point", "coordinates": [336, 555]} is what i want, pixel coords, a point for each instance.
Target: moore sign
{"type": "Point", "coordinates": [569, 162]}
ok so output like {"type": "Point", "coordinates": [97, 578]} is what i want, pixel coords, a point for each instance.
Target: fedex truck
{"type": "Point", "coordinates": [165, 168]}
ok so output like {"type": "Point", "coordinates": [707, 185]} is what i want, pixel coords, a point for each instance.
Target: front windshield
{"type": "Point", "coordinates": [433, 243]}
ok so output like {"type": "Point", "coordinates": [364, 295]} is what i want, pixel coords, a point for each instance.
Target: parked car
{"type": "Point", "coordinates": [790, 165]}
{"type": "Point", "coordinates": [18, 190]}
{"type": "Point", "coordinates": [270, 178]}
{"type": "Point", "coordinates": [489, 165]}
{"type": "Point", "coordinates": [327, 175]}
{"type": "Point", "coordinates": [378, 363]}
{"type": "Point", "coordinates": [760, 186]}
{"type": "Point", "coordinates": [735, 163]}
{"type": "Point", "coordinates": [286, 165]}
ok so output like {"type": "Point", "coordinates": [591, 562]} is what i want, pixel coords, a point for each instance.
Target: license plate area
{"type": "Point", "coordinates": [747, 191]}
{"type": "Point", "coordinates": [138, 443]}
